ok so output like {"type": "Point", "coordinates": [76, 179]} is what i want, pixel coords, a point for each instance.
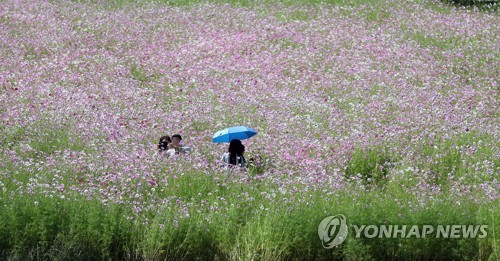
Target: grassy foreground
{"type": "Point", "coordinates": [51, 228]}
{"type": "Point", "coordinates": [240, 216]}
{"type": "Point", "coordinates": [384, 111]}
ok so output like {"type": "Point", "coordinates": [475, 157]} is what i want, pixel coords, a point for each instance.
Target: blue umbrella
{"type": "Point", "coordinates": [235, 132]}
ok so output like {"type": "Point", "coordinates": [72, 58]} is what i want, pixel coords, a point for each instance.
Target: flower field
{"type": "Point", "coordinates": [384, 111]}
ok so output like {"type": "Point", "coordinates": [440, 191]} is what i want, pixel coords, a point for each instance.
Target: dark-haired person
{"type": "Point", "coordinates": [163, 143]}
{"type": "Point", "coordinates": [234, 155]}
{"type": "Point", "coordinates": [175, 147]}
{"type": "Point", "coordinates": [176, 143]}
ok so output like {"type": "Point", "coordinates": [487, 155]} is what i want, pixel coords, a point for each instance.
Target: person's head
{"type": "Point", "coordinates": [164, 141]}
{"type": "Point", "coordinates": [236, 147]}
{"type": "Point", "coordinates": [176, 139]}
{"type": "Point", "coordinates": [165, 138]}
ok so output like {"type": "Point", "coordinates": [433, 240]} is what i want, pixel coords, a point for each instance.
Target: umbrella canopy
{"type": "Point", "coordinates": [235, 132]}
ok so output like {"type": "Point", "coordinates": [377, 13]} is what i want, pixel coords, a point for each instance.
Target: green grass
{"type": "Point", "coordinates": [443, 43]}
{"type": "Point", "coordinates": [372, 165]}
{"type": "Point", "coordinates": [60, 229]}
{"type": "Point", "coordinates": [74, 228]}
{"type": "Point", "coordinates": [297, 15]}
{"type": "Point", "coordinates": [446, 156]}
{"type": "Point", "coordinates": [42, 227]}
{"type": "Point", "coordinates": [32, 54]}
{"type": "Point", "coordinates": [51, 228]}
{"type": "Point", "coordinates": [250, 3]}
{"type": "Point", "coordinates": [141, 75]}
{"type": "Point", "coordinates": [42, 139]}
{"type": "Point", "coordinates": [237, 3]}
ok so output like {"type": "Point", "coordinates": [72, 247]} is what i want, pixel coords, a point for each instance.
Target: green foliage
{"type": "Point", "coordinates": [447, 157]}
{"type": "Point", "coordinates": [248, 3]}
{"type": "Point", "coordinates": [42, 138]}
{"type": "Point", "coordinates": [237, 3]}
{"type": "Point", "coordinates": [443, 43]}
{"type": "Point", "coordinates": [246, 223]}
{"type": "Point", "coordinates": [55, 140]}
{"type": "Point", "coordinates": [258, 164]}
{"type": "Point", "coordinates": [371, 164]}
{"type": "Point", "coordinates": [479, 3]}
{"type": "Point", "coordinates": [45, 228]}
{"type": "Point", "coordinates": [297, 15]}
{"type": "Point", "coordinates": [141, 75]}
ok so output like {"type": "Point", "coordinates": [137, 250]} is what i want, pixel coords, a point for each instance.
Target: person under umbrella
{"type": "Point", "coordinates": [234, 155]}
{"type": "Point", "coordinates": [234, 135]}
